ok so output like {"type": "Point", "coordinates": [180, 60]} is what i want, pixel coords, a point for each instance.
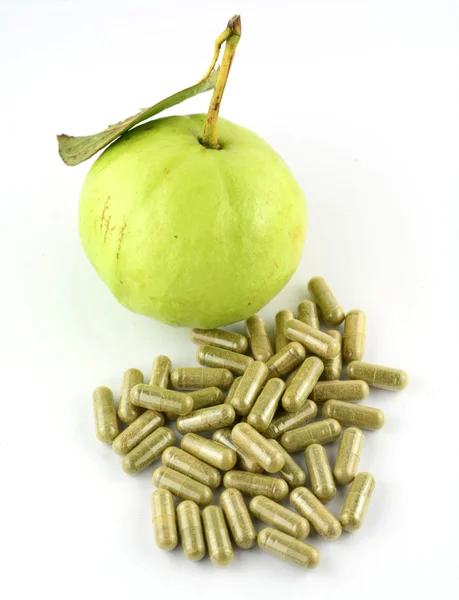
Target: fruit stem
{"type": "Point", "coordinates": [232, 35]}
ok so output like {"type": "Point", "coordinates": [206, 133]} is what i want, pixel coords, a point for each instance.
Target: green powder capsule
{"type": "Point", "coordinates": [257, 447]}
{"type": "Point", "coordinates": [196, 378]}
{"type": "Point", "coordinates": [249, 387]}
{"type": "Point", "coordinates": [321, 432]}
{"type": "Point", "coordinates": [291, 376]}
{"type": "Point", "coordinates": [164, 520]}
{"type": "Point", "coordinates": [340, 390]}
{"type": "Point", "coordinates": [254, 484]}
{"type": "Point", "coordinates": [127, 412]}
{"type": "Point", "coordinates": [314, 340]}
{"type": "Point", "coordinates": [291, 472]}
{"type": "Point", "coordinates": [217, 536]}
{"type": "Point", "coordinates": [228, 340]}
{"type": "Point", "coordinates": [287, 359]}
{"type": "Point", "coordinates": [312, 509]}
{"type": "Point", "coordinates": [288, 421]}
{"type": "Point", "coordinates": [355, 327]}
{"type": "Point", "coordinates": [232, 390]}
{"type": "Point", "coordinates": [329, 306]}
{"type": "Point", "coordinates": [266, 404]}
{"type": "Point", "coordinates": [238, 518]}
{"type": "Point", "coordinates": [211, 356]}
{"type": "Point", "coordinates": [385, 378]}
{"type": "Point", "coordinates": [287, 548]}
{"type": "Point", "coordinates": [147, 423]}
{"type": "Point", "coordinates": [182, 486]}
{"type": "Point", "coordinates": [357, 501]}
{"type": "Point", "coordinates": [307, 313]}
{"type": "Point", "coordinates": [149, 450]}
{"type": "Point", "coordinates": [332, 366]}
{"type": "Point", "coordinates": [348, 457]}
{"type": "Point", "coordinates": [162, 400]}
{"type": "Point", "coordinates": [211, 396]}
{"type": "Point", "coordinates": [160, 371]}
{"type": "Point", "coordinates": [347, 413]}
{"type": "Point", "coordinates": [191, 530]}
{"type": "Point", "coordinates": [189, 465]}
{"type": "Point", "coordinates": [104, 414]}
{"type": "Point", "coordinates": [211, 452]}
{"type": "Point", "coordinates": [260, 342]}
{"type": "Point", "coordinates": [206, 419]}
{"type": "Point", "coordinates": [223, 436]}
{"type": "Point", "coordinates": [303, 383]}
{"type": "Point", "coordinates": [320, 473]}
{"type": "Point", "coordinates": [281, 319]}
{"type": "Point", "coordinates": [278, 516]}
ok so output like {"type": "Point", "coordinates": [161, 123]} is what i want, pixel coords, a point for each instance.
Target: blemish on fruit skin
{"type": "Point", "coordinates": [104, 211]}
{"type": "Point", "coordinates": [297, 233]}
{"type": "Point", "coordinates": [120, 240]}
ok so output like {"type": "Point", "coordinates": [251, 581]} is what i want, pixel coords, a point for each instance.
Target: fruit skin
{"type": "Point", "coordinates": [189, 235]}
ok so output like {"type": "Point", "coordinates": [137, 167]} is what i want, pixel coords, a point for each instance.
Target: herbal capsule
{"type": "Point", "coordinates": [223, 436]}
{"type": "Point", "coordinates": [332, 366]}
{"type": "Point", "coordinates": [348, 457]}
{"type": "Point", "coordinates": [260, 342]}
{"type": "Point", "coordinates": [307, 313]}
{"type": "Point", "coordinates": [340, 390]}
{"type": "Point", "coordinates": [291, 472]}
{"type": "Point", "coordinates": [191, 531]}
{"type": "Point", "coordinates": [257, 447]}
{"type": "Point", "coordinates": [228, 340]}
{"type": "Point", "coordinates": [156, 398]}
{"type": "Point", "coordinates": [254, 484]}
{"type": "Point", "coordinates": [312, 509]}
{"type": "Point", "coordinates": [315, 340]}
{"type": "Point", "coordinates": [378, 376]}
{"type": "Point", "coordinates": [279, 337]}
{"type": "Point", "coordinates": [238, 518]}
{"type": "Point", "coordinates": [321, 432]}
{"type": "Point", "coordinates": [164, 519]}
{"type": "Point", "coordinates": [149, 450]}
{"type": "Point", "coordinates": [304, 381]}
{"type": "Point", "coordinates": [196, 378]}
{"type": "Point", "coordinates": [127, 412]}
{"type": "Point", "coordinates": [287, 548]}
{"type": "Point", "coordinates": [288, 421]}
{"type": "Point", "coordinates": [354, 335]}
{"type": "Point", "coordinates": [329, 306]}
{"type": "Point", "coordinates": [278, 516]}
{"type": "Point", "coordinates": [320, 473]}
{"type": "Point", "coordinates": [212, 453]}
{"type": "Point", "coordinates": [160, 371]}
{"type": "Point", "coordinates": [217, 536]}
{"type": "Point", "coordinates": [357, 501]}
{"type": "Point", "coordinates": [104, 414]}
{"type": "Point", "coordinates": [287, 359]}
{"type": "Point", "coordinates": [347, 413]}
{"type": "Point", "coordinates": [211, 356]}
{"type": "Point", "coordinates": [249, 387]}
{"type": "Point", "coordinates": [137, 431]}
{"type": "Point", "coordinates": [189, 465]}
{"type": "Point", "coordinates": [211, 396]}
{"type": "Point", "coordinates": [206, 419]}
{"type": "Point", "coordinates": [266, 404]}
{"type": "Point", "coordinates": [182, 486]}
{"type": "Point", "coordinates": [232, 390]}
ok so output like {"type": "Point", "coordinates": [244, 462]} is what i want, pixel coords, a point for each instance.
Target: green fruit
{"type": "Point", "coordinates": [191, 235]}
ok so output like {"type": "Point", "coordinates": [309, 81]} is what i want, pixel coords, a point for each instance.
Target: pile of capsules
{"type": "Point", "coordinates": [270, 398]}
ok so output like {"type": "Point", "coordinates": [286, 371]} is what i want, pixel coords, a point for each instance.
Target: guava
{"type": "Point", "coordinates": [188, 227]}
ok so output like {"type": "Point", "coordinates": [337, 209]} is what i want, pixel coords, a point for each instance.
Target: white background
{"type": "Point", "coordinates": [361, 99]}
